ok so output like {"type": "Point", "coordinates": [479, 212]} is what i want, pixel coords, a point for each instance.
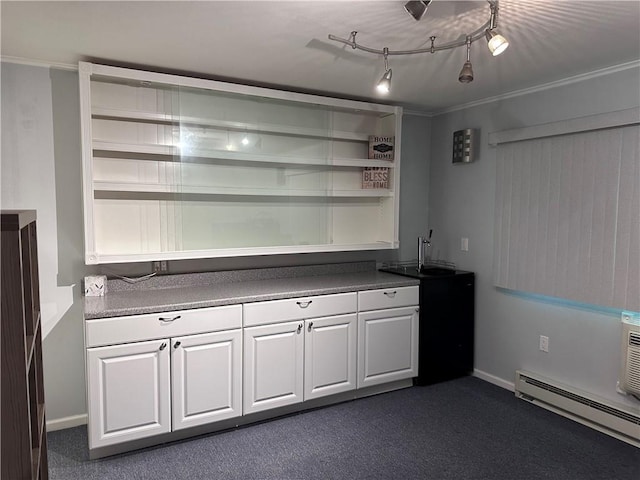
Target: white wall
{"type": "Point", "coordinates": [28, 135]}
{"type": "Point", "coordinates": [32, 158]}
{"type": "Point", "coordinates": [42, 169]}
{"type": "Point", "coordinates": [584, 341]}
{"type": "Point", "coordinates": [414, 192]}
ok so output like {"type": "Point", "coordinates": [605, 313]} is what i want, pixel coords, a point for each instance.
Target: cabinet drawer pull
{"type": "Point", "coordinates": [310, 326]}
{"type": "Point", "coordinates": [391, 294]}
{"type": "Point", "coordinates": [304, 304]}
{"type": "Point", "coordinates": [163, 346]}
{"type": "Point", "coordinates": [169, 320]}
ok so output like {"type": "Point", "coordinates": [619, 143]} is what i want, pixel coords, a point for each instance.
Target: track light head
{"type": "Point", "coordinates": [417, 9]}
{"type": "Point", "coordinates": [384, 85]}
{"type": "Point", "coordinates": [466, 74]}
{"type": "Point", "coordinates": [496, 42]}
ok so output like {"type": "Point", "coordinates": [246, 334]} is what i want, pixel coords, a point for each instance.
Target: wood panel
{"type": "Point", "coordinates": [23, 437]}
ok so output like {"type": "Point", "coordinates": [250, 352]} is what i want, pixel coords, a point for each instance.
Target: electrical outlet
{"type": "Point", "coordinates": [464, 244]}
{"type": "Point", "coordinates": [544, 343]}
{"type": "Point", "coordinates": [159, 267]}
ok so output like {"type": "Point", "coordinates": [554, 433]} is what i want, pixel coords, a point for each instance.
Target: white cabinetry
{"type": "Point", "coordinates": [178, 167]}
{"type": "Point", "coordinates": [273, 371]}
{"type": "Point", "coordinates": [129, 392]}
{"type": "Point", "coordinates": [387, 335]}
{"type": "Point", "coordinates": [158, 373]}
{"type": "Point", "coordinates": [330, 355]}
{"type": "Point", "coordinates": [206, 378]}
{"type": "Point", "coordinates": [138, 389]}
{"type": "Point", "coordinates": [298, 349]}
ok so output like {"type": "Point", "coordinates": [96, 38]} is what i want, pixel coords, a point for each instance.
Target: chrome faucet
{"type": "Point", "coordinates": [422, 241]}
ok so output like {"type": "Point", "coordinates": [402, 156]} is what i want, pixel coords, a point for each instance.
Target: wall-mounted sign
{"type": "Point", "coordinates": [375, 177]}
{"type": "Point", "coordinates": [381, 148]}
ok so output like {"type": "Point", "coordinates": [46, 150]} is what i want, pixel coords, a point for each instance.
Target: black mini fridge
{"type": "Point", "coordinates": [447, 310]}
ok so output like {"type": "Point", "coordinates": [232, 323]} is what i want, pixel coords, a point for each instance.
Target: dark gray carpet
{"type": "Point", "coordinates": [461, 429]}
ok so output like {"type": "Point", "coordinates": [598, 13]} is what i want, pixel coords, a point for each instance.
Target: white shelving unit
{"type": "Point", "coordinates": [179, 167]}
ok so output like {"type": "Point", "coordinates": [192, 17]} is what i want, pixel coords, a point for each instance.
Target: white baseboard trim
{"type": "Point", "coordinates": [77, 420]}
{"type": "Point", "coordinates": [495, 380]}
{"type": "Point", "coordinates": [66, 422]}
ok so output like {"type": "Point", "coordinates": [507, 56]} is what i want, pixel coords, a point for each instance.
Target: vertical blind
{"type": "Point", "coordinates": [567, 218]}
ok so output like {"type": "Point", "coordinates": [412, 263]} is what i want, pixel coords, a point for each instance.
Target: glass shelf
{"type": "Point", "coordinates": [175, 153]}
{"type": "Point", "coordinates": [178, 167]}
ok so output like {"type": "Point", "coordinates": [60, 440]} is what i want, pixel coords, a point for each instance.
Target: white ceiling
{"type": "Point", "coordinates": [286, 43]}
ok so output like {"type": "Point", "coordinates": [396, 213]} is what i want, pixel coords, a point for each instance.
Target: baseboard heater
{"type": "Point", "coordinates": [618, 421]}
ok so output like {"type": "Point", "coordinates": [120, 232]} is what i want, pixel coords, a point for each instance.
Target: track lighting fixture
{"type": "Point", "coordinates": [495, 42]}
{"type": "Point", "coordinates": [466, 74]}
{"type": "Point", "coordinates": [384, 85]}
{"type": "Point", "coordinates": [417, 9]}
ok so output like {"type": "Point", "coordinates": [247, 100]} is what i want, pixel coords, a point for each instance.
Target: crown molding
{"type": "Point", "coordinates": [406, 110]}
{"type": "Point", "coordinates": [37, 63]}
{"type": "Point", "coordinates": [419, 113]}
{"type": "Point", "coordinates": [545, 86]}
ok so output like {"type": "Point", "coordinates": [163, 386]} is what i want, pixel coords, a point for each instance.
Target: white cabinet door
{"type": "Point", "coordinates": [129, 394]}
{"type": "Point", "coordinates": [329, 355]}
{"type": "Point", "coordinates": [387, 345]}
{"type": "Point", "coordinates": [273, 366]}
{"type": "Point", "coordinates": [206, 373]}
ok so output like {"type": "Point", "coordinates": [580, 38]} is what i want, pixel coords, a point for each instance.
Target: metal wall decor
{"type": "Point", "coordinates": [463, 146]}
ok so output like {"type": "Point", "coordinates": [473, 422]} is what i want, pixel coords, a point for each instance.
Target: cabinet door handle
{"type": "Point", "coordinates": [391, 294]}
{"type": "Point", "coordinates": [310, 326]}
{"type": "Point", "coordinates": [299, 328]}
{"type": "Point", "coordinates": [304, 304]}
{"type": "Point", "coordinates": [177, 344]}
{"type": "Point", "coordinates": [168, 320]}
{"type": "Point", "coordinates": [418, 310]}
{"type": "Point", "coordinates": [163, 346]}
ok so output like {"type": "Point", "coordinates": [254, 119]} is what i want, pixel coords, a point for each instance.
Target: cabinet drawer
{"type": "Point", "coordinates": [388, 298]}
{"type": "Point", "coordinates": [263, 313]}
{"type": "Point", "coordinates": [133, 328]}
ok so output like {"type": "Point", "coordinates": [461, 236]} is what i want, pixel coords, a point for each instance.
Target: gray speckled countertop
{"type": "Point", "coordinates": [239, 289]}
